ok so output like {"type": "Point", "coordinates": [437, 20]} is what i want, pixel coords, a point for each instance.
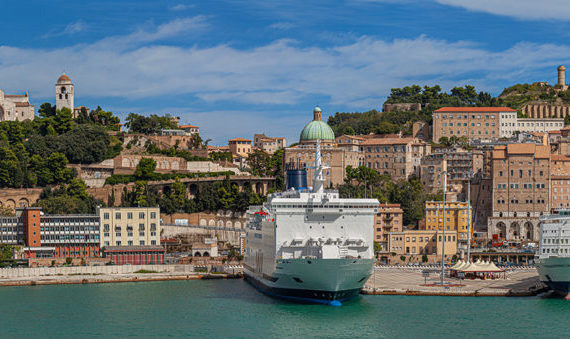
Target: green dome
{"type": "Point", "coordinates": [317, 129]}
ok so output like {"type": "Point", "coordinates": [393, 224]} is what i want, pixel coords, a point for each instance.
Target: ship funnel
{"type": "Point", "coordinates": [296, 176]}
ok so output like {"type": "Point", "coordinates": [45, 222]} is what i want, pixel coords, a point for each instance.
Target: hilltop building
{"type": "Point", "coordinates": [15, 107]}
{"type": "Point", "coordinates": [64, 93]}
{"type": "Point", "coordinates": [268, 144]}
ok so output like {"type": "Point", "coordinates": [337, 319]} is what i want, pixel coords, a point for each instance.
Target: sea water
{"type": "Point", "coordinates": [232, 308]}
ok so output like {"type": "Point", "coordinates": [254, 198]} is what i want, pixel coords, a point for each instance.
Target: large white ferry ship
{"type": "Point", "coordinates": [308, 244]}
{"type": "Point", "coordinates": [553, 263]}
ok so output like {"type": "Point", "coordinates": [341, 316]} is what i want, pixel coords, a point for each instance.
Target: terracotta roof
{"type": "Point", "coordinates": [559, 157]}
{"type": "Point", "coordinates": [566, 128]}
{"type": "Point", "coordinates": [539, 151]}
{"type": "Point", "coordinates": [387, 141]}
{"type": "Point", "coordinates": [63, 78]}
{"type": "Point", "coordinates": [474, 109]}
{"type": "Point", "coordinates": [554, 132]}
{"type": "Point", "coordinates": [22, 104]}
{"type": "Point", "coordinates": [351, 137]}
{"type": "Point", "coordinates": [15, 95]}
{"type": "Point", "coordinates": [188, 126]}
{"type": "Point", "coordinates": [240, 139]}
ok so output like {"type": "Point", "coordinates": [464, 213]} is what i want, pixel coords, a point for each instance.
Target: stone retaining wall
{"type": "Point", "coordinates": [123, 269]}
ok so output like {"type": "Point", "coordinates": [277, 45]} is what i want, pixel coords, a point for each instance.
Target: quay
{"type": "Point", "coordinates": [391, 280]}
{"type": "Point", "coordinates": [110, 274]}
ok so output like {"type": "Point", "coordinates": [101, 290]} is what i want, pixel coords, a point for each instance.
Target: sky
{"type": "Point", "coordinates": [238, 67]}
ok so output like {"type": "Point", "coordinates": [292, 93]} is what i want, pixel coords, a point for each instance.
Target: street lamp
{"type": "Point", "coordinates": [444, 172]}
{"type": "Point", "coordinates": [469, 216]}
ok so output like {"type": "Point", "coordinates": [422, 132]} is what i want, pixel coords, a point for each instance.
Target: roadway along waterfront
{"type": "Point", "coordinates": [232, 308]}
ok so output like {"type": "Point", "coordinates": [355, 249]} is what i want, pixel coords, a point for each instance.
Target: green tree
{"type": "Point", "coordinates": [145, 169]}
{"type": "Point", "coordinates": [63, 120]}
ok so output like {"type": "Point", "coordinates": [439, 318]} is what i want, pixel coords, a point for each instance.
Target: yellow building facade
{"type": "Point", "coordinates": [457, 215]}
{"type": "Point", "coordinates": [129, 226]}
{"type": "Point", "coordinates": [429, 242]}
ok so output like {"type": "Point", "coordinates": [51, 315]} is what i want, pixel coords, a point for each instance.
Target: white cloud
{"type": "Point", "coordinates": [181, 7]}
{"type": "Point", "coordinates": [353, 76]}
{"type": "Point", "coordinates": [72, 28]}
{"type": "Point", "coordinates": [282, 25]}
{"type": "Point", "coordinates": [521, 9]}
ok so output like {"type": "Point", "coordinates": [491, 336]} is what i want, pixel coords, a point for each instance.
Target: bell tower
{"type": "Point", "coordinates": [64, 93]}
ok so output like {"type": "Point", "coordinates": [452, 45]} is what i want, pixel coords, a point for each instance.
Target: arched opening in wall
{"type": "Point", "coordinates": [514, 231]}
{"type": "Point", "coordinates": [229, 224]}
{"type": "Point", "coordinates": [61, 96]}
{"type": "Point", "coordinates": [220, 223]}
{"type": "Point", "coordinates": [66, 96]}
{"type": "Point", "coordinates": [63, 90]}
{"type": "Point", "coordinates": [10, 203]}
{"type": "Point", "coordinates": [165, 165]}
{"type": "Point", "coordinates": [175, 165]}
{"type": "Point", "coordinates": [23, 202]}
{"type": "Point", "coordinates": [212, 222]}
{"type": "Point", "coordinates": [237, 224]}
{"type": "Point", "coordinates": [259, 188]}
{"type": "Point", "coordinates": [203, 222]}
{"type": "Point", "coordinates": [529, 227]}
{"type": "Point", "coordinates": [126, 163]}
{"type": "Point", "coordinates": [1, 113]}
{"type": "Point", "coordinates": [206, 254]}
{"type": "Point", "coordinates": [502, 230]}
{"type": "Point", "coordinates": [193, 189]}
{"type": "Point", "coordinates": [197, 254]}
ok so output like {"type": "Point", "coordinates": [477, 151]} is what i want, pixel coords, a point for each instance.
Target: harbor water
{"type": "Point", "coordinates": [232, 308]}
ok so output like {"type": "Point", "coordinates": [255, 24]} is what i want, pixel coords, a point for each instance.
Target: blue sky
{"type": "Point", "coordinates": [240, 67]}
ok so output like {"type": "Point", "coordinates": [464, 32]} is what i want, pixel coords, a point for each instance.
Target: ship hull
{"type": "Point", "coordinates": [555, 272]}
{"type": "Point", "coordinates": [328, 281]}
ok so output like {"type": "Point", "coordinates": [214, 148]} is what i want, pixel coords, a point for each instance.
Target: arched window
{"type": "Point", "coordinates": [63, 90]}
{"type": "Point", "coordinates": [66, 96]}
{"type": "Point", "coordinates": [61, 96]}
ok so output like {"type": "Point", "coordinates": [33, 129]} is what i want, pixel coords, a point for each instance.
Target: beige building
{"type": "Point", "coordinates": [461, 165]}
{"type": "Point", "coordinates": [64, 94]}
{"type": "Point", "coordinates": [413, 242]}
{"type": "Point", "coordinates": [521, 190]}
{"type": "Point", "coordinates": [349, 142]}
{"type": "Point", "coordinates": [485, 123]}
{"type": "Point", "coordinates": [129, 226]}
{"type": "Point", "coordinates": [240, 147]}
{"type": "Point", "coordinates": [268, 144]}
{"type": "Point", "coordinates": [388, 219]}
{"type": "Point", "coordinates": [457, 216]}
{"type": "Point", "coordinates": [15, 107]}
{"type": "Point", "coordinates": [398, 157]}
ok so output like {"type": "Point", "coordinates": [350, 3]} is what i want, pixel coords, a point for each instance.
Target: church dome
{"type": "Point", "coordinates": [317, 129]}
{"type": "Point", "coordinates": [63, 79]}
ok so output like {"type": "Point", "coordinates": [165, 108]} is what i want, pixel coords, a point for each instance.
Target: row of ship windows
{"type": "Point", "coordinates": [555, 241]}
{"type": "Point", "coordinates": [555, 250]}
{"type": "Point", "coordinates": [324, 206]}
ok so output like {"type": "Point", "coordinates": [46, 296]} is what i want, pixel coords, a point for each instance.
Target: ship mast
{"type": "Point", "coordinates": [318, 176]}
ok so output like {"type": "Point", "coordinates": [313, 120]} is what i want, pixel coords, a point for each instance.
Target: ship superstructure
{"type": "Point", "coordinates": [309, 244]}
{"type": "Point", "coordinates": [553, 262]}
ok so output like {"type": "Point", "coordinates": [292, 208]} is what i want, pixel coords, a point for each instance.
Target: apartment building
{"type": "Point", "coordinates": [543, 125]}
{"type": "Point", "coordinates": [350, 142]}
{"type": "Point", "coordinates": [461, 166]}
{"type": "Point", "coordinates": [457, 215]}
{"type": "Point", "coordinates": [388, 219]}
{"type": "Point", "coordinates": [398, 157]}
{"type": "Point", "coordinates": [268, 144]}
{"type": "Point", "coordinates": [240, 147]}
{"type": "Point", "coordinates": [521, 190]}
{"type": "Point", "coordinates": [429, 242]}
{"type": "Point", "coordinates": [129, 226]}
{"type": "Point", "coordinates": [474, 122]}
